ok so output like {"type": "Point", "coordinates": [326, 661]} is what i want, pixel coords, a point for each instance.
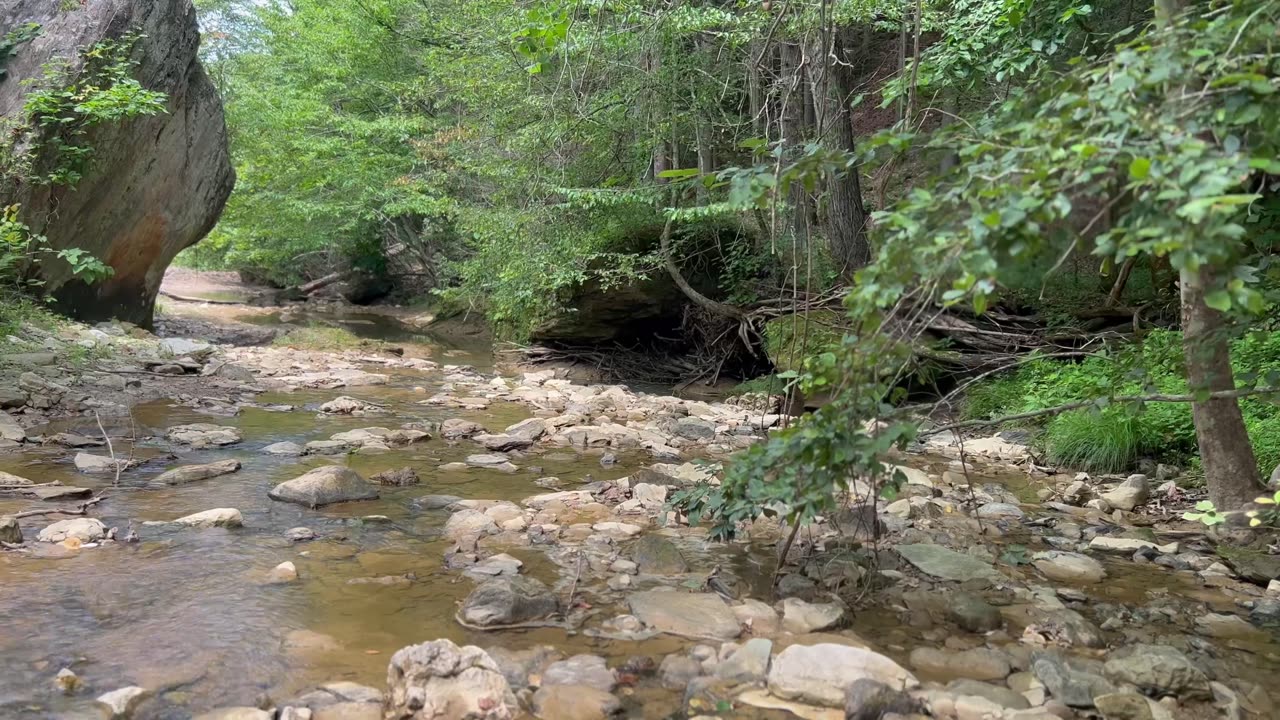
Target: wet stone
{"type": "Point", "coordinates": [698, 615]}
{"type": "Point", "coordinates": [657, 555]}
{"type": "Point", "coordinates": [508, 601]}
{"type": "Point", "coordinates": [324, 486]}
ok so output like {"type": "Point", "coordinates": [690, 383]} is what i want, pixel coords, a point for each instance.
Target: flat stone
{"type": "Point", "coordinates": [947, 564]}
{"type": "Point", "coordinates": [324, 486]}
{"type": "Point", "coordinates": [1228, 627]}
{"type": "Point", "coordinates": [10, 480]}
{"type": "Point", "coordinates": [976, 664]}
{"type": "Point", "coordinates": [217, 517]}
{"type": "Point", "coordinates": [1128, 546]}
{"type": "Point", "coordinates": [86, 530]}
{"type": "Point", "coordinates": [1124, 706]}
{"type": "Point", "coordinates": [284, 449]}
{"type": "Point", "coordinates": [193, 473]}
{"type": "Point", "coordinates": [1000, 510]}
{"type": "Point", "coordinates": [802, 617]}
{"type": "Point", "coordinates": [1069, 567]}
{"type": "Point", "coordinates": [758, 617]}
{"type": "Point", "coordinates": [235, 713]}
{"type": "Point", "coordinates": [88, 463]}
{"type": "Point", "coordinates": [60, 492]}
{"type": "Point", "coordinates": [203, 435]}
{"type": "Point", "coordinates": [821, 674]}
{"type": "Point", "coordinates": [997, 694]}
{"type": "Point", "coordinates": [696, 615]}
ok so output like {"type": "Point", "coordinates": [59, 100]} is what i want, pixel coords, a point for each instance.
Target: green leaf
{"type": "Point", "coordinates": [679, 174]}
{"type": "Point", "coordinates": [1139, 168]}
{"type": "Point", "coordinates": [1219, 300]}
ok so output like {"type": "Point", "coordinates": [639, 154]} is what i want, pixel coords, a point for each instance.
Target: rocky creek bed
{"type": "Point", "coordinates": [348, 535]}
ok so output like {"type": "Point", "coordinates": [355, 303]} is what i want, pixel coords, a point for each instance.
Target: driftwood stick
{"type": "Point", "coordinates": [1059, 409]}
{"type": "Point", "coordinates": [82, 509]}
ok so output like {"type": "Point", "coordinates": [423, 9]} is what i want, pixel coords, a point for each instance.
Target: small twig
{"type": "Point", "coordinates": [110, 448]}
{"type": "Point", "coordinates": [573, 589]}
{"type": "Point", "coordinates": [786, 550]}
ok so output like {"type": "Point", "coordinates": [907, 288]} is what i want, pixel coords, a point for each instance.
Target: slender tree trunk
{"type": "Point", "coordinates": [756, 52]}
{"type": "Point", "coordinates": [792, 119]}
{"type": "Point", "coordinates": [1230, 468]}
{"type": "Point", "coordinates": [846, 217]}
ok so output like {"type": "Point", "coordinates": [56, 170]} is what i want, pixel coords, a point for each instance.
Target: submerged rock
{"type": "Point", "coordinates": [440, 681]}
{"type": "Point", "coordinates": [397, 478]}
{"type": "Point", "coordinates": [696, 615]}
{"type": "Point", "coordinates": [193, 473]}
{"type": "Point", "coordinates": [508, 601]}
{"type": "Point", "coordinates": [324, 486]}
{"type": "Point", "coordinates": [657, 555]}
{"type": "Point", "coordinates": [284, 449]}
{"type": "Point", "coordinates": [946, 564]}
{"type": "Point", "coordinates": [821, 674]}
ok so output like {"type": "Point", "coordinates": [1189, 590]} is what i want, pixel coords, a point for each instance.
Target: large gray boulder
{"type": "Point", "coordinates": [154, 185]}
{"type": "Point", "coordinates": [324, 486]}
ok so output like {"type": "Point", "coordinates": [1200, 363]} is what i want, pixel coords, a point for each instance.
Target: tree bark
{"type": "Point", "coordinates": [846, 217]}
{"type": "Point", "coordinates": [1230, 468]}
{"type": "Point", "coordinates": [792, 121]}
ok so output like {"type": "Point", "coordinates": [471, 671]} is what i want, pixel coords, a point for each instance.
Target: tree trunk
{"type": "Point", "coordinates": [1230, 469]}
{"type": "Point", "coordinates": [792, 119]}
{"type": "Point", "coordinates": [846, 217]}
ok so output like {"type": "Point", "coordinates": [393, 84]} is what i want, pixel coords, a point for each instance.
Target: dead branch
{"type": "Point", "coordinates": [81, 509]}
{"type": "Point", "coordinates": [1068, 407]}
{"type": "Point", "coordinates": [190, 299]}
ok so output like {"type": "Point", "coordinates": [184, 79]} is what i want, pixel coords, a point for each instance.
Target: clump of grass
{"type": "Point", "coordinates": [318, 337]}
{"type": "Point", "coordinates": [1095, 441]}
{"type": "Point", "coordinates": [767, 384]}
